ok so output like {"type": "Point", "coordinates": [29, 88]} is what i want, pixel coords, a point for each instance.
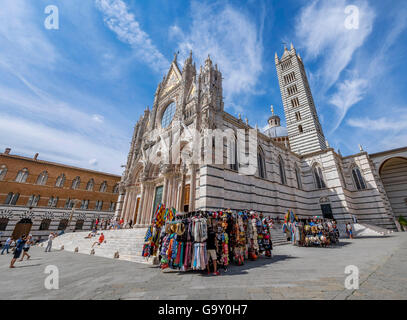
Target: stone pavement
{"type": "Point", "coordinates": [293, 273]}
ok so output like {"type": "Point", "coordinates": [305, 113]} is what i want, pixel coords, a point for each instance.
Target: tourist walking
{"type": "Point", "coordinates": [6, 245]}
{"type": "Point", "coordinates": [26, 247]}
{"type": "Point", "coordinates": [18, 249]}
{"type": "Point", "coordinates": [49, 245]}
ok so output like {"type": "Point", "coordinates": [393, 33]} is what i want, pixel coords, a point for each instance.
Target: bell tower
{"type": "Point", "coordinates": [304, 129]}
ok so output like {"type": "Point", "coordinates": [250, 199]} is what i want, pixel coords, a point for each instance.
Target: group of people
{"type": "Point", "coordinates": [22, 245]}
{"type": "Point", "coordinates": [112, 224]}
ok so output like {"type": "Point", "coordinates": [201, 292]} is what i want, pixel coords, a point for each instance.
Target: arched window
{"type": "Point", "coordinates": [298, 177]}
{"type": "Point", "coordinates": [60, 181]}
{"type": "Point", "coordinates": [300, 130]}
{"type": "Point", "coordinates": [358, 179]}
{"type": "Point", "coordinates": [69, 203]}
{"type": "Point", "coordinates": [85, 204]}
{"type": "Point", "coordinates": [90, 184]}
{"type": "Point", "coordinates": [116, 188]}
{"type": "Point", "coordinates": [168, 115]}
{"type": "Point", "coordinates": [3, 171]}
{"type": "Point", "coordinates": [42, 178]}
{"type": "Point", "coordinates": [33, 201]}
{"type": "Point", "coordinates": [12, 199]}
{"type": "Point", "coordinates": [234, 163]}
{"type": "Point", "coordinates": [76, 183]}
{"type": "Point", "coordinates": [53, 201]}
{"type": "Point", "coordinates": [282, 170]}
{"type": "Point", "coordinates": [103, 186]}
{"type": "Point", "coordinates": [22, 175]}
{"type": "Point", "coordinates": [319, 178]}
{"type": "Point", "coordinates": [99, 205]}
{"type": "Point", "coordinates": [261, 164]}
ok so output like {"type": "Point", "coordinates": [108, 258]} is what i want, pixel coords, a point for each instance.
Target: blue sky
{"type": "Point", "coordinates": [74, 94]}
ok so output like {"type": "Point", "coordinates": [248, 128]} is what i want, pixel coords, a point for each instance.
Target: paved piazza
{"type": "Point", "coordinates": [293, 273]}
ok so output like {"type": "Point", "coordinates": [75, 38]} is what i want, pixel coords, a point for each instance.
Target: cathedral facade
{"type": "Point", "coordinates": [189, 154]}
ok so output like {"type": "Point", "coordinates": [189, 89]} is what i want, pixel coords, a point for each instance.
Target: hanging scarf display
{"type": "Point", "coordinates": [180, 240]}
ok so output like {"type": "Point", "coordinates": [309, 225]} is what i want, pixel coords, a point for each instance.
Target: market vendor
{"type": "Point", "coordinates": [211, 246]}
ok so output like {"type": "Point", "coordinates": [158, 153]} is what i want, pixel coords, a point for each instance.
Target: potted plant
{"type": "Point", "coordinates": [403, 222]}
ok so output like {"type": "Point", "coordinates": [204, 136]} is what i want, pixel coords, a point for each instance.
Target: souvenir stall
{"type": "Point", "coordinates": [180, 239]}
{"type": "Point", "coordinates": [314, 231]}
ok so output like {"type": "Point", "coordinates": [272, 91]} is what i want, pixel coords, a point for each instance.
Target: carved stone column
{"type": "Point", "coordinates": [192, 191]}
{"type": "Point", "coordinates": [182, 197]}
{"type": "Point", "coordinates": [125, 202]}
{"type": "Point", "coordinates": [141, 206]}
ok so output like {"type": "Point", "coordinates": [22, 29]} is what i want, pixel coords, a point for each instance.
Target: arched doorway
{"type": "Point", "coordinates": [393, 173]}
{"type": "Point", "coordinates": [22, 227]}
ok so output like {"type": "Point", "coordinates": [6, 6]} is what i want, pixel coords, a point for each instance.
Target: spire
{"type": "Point", "coordinates": [292, 47]}
{"type": "Point", "coordinates": [276, 58]}
{"type": "Point", "coordinates": [272, 110]}
{"type": "Point", "coordinates": [175, 57]}
{"type": "Point", "coordinates": [208, 61]}
{"type": "Point", "coordinates": [189, 59]}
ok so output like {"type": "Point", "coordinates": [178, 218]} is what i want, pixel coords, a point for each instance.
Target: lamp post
{"type": "Point", "coordinates": [69, 228]}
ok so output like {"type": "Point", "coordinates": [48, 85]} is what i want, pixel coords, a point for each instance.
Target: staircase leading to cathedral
{"type": "Point", "coordinates": [278, 237]}
{"type": "Point", "coordinates": [125, 244]}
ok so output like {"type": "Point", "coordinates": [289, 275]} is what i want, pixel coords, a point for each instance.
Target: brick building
{"type": "Point", "coordinates": [45, 193]}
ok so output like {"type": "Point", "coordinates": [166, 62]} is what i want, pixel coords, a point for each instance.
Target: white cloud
{"type": "Point", "coordinates": [118, 18]}
{"type": "Point", "coordinates": [62, 146]}
{"type": "Point", "coordinates": [23, 41]}
{"type": "Point", "coordinates": [348, 94]}
{"type": "Point", "coordinates": [98, 118]}
{"type": "Point", "coordinates": [321, 32]}
{"type": "Point", "coordinates": [233, 41]}
{"type": "Point", "coordinates": [380, 124]}
{"type": "Point", "coordinates": [93, 162]}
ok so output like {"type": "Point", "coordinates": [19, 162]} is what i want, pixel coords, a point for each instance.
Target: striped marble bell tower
{"type": "Point", "coordinates": [304, 130]}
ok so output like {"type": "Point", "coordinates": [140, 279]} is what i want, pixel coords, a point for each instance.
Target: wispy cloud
{"type": "Point", "coordinates": [233, 41]}
{"type": "Point", "coordinates": [348, 94]}
{"type": "Point", "coordinates": [380, 124]}
{"type": "Point", "coordinates": [123, 23]}
{"type": "Point", "coordinates": [59, 145]}
{"type": "Point", "coordinates": [322, 33]}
